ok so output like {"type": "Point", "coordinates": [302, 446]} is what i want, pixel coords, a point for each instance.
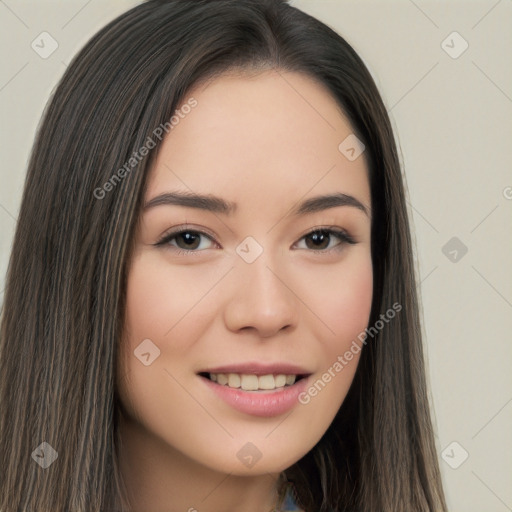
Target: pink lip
{"type": "Point", "coordinates": [255, 368]}
{"type": "Point", "coordinates": [260, 403]}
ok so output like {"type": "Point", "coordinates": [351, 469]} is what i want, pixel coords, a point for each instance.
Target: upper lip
{"type": "Point", "coordinates": [255, 368]}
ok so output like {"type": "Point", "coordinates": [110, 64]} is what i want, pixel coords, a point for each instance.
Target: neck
{"type": "Point", "coordinates": [162, 479]}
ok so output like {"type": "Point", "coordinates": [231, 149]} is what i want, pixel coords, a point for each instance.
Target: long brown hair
{"type": "Point", "coordinates": [63, 312]}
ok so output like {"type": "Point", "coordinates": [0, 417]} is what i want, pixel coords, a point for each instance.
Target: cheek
{"type": "Point", "coordinates": [350, 310]}
{"type": "Point", "coordinates": [343, 297]}
{"type": "Point", "coordinates": [152, 312]}
{"type": "Point", "coordinates": [347, 311]}
{"type": "Point", "coordinates": [166, 306]}
{"type": "Point", "coordinates": [160, 298]}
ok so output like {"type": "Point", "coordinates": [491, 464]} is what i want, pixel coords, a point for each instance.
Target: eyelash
{"type": "Point", "coordinates": [339, 233]}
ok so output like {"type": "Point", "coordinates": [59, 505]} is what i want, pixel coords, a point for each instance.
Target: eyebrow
{"type": "Point", "coordinates": [218, 205]}
{"type": "Point", "coordinates": [191, 200]}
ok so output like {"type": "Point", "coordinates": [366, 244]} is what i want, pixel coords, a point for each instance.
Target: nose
{"type": "Point", "coordinates": [262, 300]}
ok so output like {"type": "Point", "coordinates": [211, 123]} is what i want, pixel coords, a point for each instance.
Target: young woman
{"type": "Point", "coordinates": [211, 303]}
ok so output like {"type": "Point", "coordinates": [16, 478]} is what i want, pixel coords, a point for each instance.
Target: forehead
{"type": "Point", "coordinates": [274, 134]}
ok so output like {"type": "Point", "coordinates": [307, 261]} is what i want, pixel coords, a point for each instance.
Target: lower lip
{"type": "Point", "coordinates": [259, 403]}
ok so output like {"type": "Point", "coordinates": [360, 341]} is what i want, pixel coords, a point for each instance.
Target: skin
{"type": "Point", "coordinates": [265, 141]}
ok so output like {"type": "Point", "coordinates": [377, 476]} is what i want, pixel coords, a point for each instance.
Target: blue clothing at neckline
{"type": "Point", "coordinates": [289, 504]}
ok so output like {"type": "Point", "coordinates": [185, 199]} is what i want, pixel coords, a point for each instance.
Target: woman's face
{"type": "Point", "coordinates": [258, 283]}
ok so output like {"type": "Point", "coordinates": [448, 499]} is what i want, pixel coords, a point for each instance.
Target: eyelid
{"type": "Point", "coordinates": [183, 228]}
{"type": "Point", "coordinates": [336, 230]}
{"type": "Point", "coordinates": [340, 233]}
{"type": "Point", "coordinates": [165, 239]}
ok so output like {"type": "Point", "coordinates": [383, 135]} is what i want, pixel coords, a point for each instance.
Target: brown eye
{"type": "Point", "coordinates": [324, 240]}
{"type": "Point", "coordinates": [186, 240]}
{"type": "Point", "coordinates": [318, 239]}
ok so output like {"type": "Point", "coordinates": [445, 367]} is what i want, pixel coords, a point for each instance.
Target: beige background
{"type": "Point", "coordinates": [453, 121]}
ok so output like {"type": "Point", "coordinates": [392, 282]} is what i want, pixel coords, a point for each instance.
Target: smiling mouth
{"type": "Point", "coordinates": [252, 382]}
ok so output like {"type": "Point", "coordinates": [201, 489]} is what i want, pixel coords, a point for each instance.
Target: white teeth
{"type": "Point", "coordinates": [266, 382]}
{"type": "Point", "coordinates": [222, 379]}
{"type": "Point", "coordinates": [234, 380]}
{"type": "Point", "coordinates": [249, 382]}
{"type": "Point", "coordinates": [280, 381]}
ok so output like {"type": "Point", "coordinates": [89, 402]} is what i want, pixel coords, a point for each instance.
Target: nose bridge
{"type": "Point", "coordinates": [261, 299]}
